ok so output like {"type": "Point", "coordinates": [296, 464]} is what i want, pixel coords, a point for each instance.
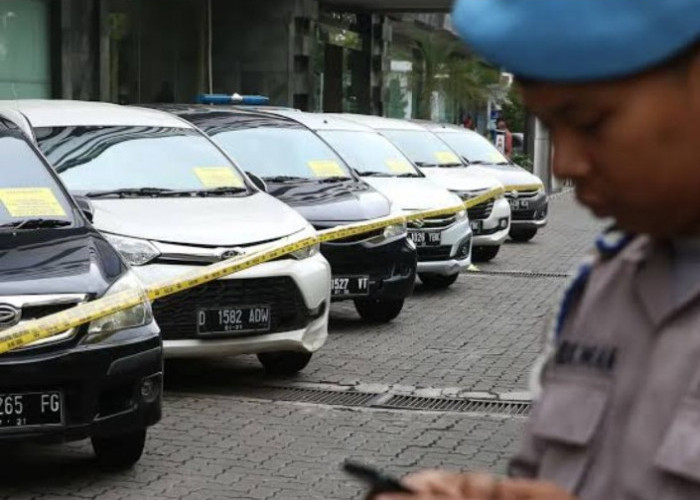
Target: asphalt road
{"type": "Point", "coordinates": [222, 437]}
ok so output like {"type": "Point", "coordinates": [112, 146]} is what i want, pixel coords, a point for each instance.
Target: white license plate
{"type": "Point", "coordinates": [350, 286]}
{"type": "Point", "coordinates": [426, 239]}
{"type": "Point", "coordinates": [234, 320]}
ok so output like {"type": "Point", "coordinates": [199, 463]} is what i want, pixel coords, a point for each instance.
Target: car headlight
{"type": "Point", "coordinates": [138, 315]}
{"type": "Point", "coordinates": [394, 230]}
{"type": "Point", "coordinates": [306, 253]}
{"type": "Point", "coordinates": [461, 215]}
{"type": "Point", "coordinates": [136, 252]}
{"type": "Point", "coordinates": [541, 191]}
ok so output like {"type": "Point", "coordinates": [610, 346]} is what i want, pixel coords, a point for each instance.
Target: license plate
{"type": "Point", "coordinates": [426, 239]}
{"type": "Point", "coordinates": [233, 320]}
{"type": "Point", "coordinates": [477, 226]}
{"type": "Point", "coordinates": [519, 204]}
{"type": "Point", "coordinates": [31, 409]}
{"type": "Point", "coordinates": [350, 286]}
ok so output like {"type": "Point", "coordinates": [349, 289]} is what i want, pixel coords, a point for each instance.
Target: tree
{"type": "Point", "coordinates": [513, 111]}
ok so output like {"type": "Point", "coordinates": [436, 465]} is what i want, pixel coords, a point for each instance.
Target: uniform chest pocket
{"type": "Point", "coordinates": [566, 418]}
{"type": "Point", "coordinates": [679, 453]}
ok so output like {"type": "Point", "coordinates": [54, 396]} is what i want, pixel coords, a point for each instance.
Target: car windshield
{"type": "Point", "coordinates": [142, 160]}
{"type": "Point", "coordinates": [474, 148]}
{"type": "Point", "coordinates": [370, 154]}
{"type": "Point", "coordinates": [28, 191]}
{"type": "Point", "coordinates": [423, 148]}
{"type": "Point", "coordinates": [282, 154]}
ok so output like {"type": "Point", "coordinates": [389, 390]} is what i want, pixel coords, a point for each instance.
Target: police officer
{"type": "Point", "coordinates": [618, 84]}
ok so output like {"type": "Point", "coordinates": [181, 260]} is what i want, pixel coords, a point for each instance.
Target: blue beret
{"type": "Point", "coordinates": [578, 40]}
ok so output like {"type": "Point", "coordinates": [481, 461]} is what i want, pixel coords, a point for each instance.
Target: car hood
{"type": "Point", "coordinates": [413, 194]}
{"type": "Point", "coordinates": [57, 261]}
{"type": "Point", "coordinates": [508, 175]}
{"type": "Point", "coordinates": [333, 203]}
{"type": "Point", "coordinates": [223, 221]}
{"type": "Point", "coordinates": [462, 179]}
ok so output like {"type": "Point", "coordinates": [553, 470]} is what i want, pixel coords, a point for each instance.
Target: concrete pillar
{"type": "Point", "coordinates": [542, 161]}
{"type": "Point", "coordinates": [79, 60]}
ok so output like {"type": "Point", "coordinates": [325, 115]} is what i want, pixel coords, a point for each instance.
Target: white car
{"type": "Point", "coordinates": [444, 243]}
{"type": "Point", "coordinates": [171, 201]}
{"type": "Point", "coordinates": [490, 220]}
{"type": "Point", "coordinates": [524, 191]}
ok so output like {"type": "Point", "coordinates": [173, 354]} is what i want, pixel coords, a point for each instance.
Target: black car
{"type": "Point", "coordinates": [102, 380]}
{"type": "Point", "coordinates": [377, 270]}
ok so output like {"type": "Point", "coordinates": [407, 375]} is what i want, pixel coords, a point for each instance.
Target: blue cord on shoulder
{"type": "Point", "coordinates": [608, 245]}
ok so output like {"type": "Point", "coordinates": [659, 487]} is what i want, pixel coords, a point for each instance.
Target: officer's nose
{"type": "Point", "coordinates": [570, 160]}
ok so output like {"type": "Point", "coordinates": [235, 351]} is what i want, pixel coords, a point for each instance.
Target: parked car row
{"type": "Point", "coordinates": [96, 198]}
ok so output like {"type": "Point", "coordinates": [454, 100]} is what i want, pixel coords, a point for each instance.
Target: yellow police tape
{"type": "Point", "coordinates": [32, 331]}
{"type": "Point", "coordinates": [524, 187]}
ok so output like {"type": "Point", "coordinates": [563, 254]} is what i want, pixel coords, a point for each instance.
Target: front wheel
{"type": "Point", "coordinates": [523, 235]}
{"type": "Point", "coordinates": [485, 254]}
{"type": "Point", "coordinates": [438, 281]}
{"type": "Point", "coordinates": [378, 311]}
{"type": "Point", "coordinates": [121, 451]}
{"type": "Point", "coordinates": [284, 362]}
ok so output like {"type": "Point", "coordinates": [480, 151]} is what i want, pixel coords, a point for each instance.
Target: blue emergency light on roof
{"type": "Point", "coordinates": [246, 100]}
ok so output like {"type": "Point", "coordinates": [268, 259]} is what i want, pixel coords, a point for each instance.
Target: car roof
{"type": "Point", "coordinates": [209, 117]}
{"type": "Point", "coordinates": [381, 123]}
{"type": "Point", "coordinates": [443, 127]}
{"type": "Point", "coordinates": [320, 122]}
{"type": "Point", "coordinates": [64, 113]}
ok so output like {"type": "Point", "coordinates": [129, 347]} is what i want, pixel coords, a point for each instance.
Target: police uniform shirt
{"type": "Point", "coordinates": [619, 413]}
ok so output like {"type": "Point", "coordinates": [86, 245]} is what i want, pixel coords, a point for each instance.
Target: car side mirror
{"type": "Point", "coordinates": [257, 181]}
{"type": "Point", "coordinates": [85, 206]}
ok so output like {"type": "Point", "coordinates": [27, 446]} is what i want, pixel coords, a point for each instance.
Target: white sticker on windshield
{"type": "Point", "coordinates": [31, 202]}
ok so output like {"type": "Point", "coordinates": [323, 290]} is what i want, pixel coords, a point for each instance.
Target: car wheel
{"type": "Point", "coordinates": [121, 451]}
{"type": "Point", "coordinates": [378, 311]}
{"type": "Point", "coordinates": [284, 362]}
{"type": "Point", "coordinates": [438, 281]}
{"type": "Point", "coordinates": [523, 235]}
{"type": "Point", "coordinates": [485, 254]}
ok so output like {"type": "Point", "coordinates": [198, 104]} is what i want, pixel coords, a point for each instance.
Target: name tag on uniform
{"type": "Point", "coordinates": [598, 357]}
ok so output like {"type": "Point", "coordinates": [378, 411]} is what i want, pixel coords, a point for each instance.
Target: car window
{"type": "Point", "coordinates": [93, 159]}
{"type": "Point", "coordinates": [274, 151]}
{"type": "Point", "coordinates": [27, 188]}
{"type": "Point", "coordinates": [423, 148]}
{"type": "Point", "coordinates": [370, 153]}
{"type": "Point", "coordinates": [473, 147]}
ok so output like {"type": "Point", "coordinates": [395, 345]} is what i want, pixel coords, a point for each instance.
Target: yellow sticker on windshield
{"type": "Point", "coordinates": [31, 202]}
{"type": "Point", "coordinates": [496, 157]}
{"type": "Point", "coordinates": [327, 168]}
{"type": "Point", "coordinates": [447, 157]}
{"type": "Point", "coordinates": [216, 177]}
{"type": "Point", "coordinates": [399, 166]}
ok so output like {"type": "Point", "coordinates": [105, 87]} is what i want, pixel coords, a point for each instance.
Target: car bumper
{"type": "Point", "coordinates": [309, 280]}
{"type": "Point", "coordinates": [101, 387]}
{"type": "Point", "coordinates": [452, 256]}
{"type": "Point", "coordinates": [391, 266]}
{"type": "Point", "coordinates": [534, 216]}
{"type": "Point", "coordinates": [496, 227]}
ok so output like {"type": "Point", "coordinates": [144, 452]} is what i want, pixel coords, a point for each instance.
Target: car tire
{"type": "Point", "coordinates": [523, 235]}
{"type": "Point", "coordinates": [378, 311]}
{"type": "Point", "coordinates": [284, 362]}
{"type": "Point", "coordinates": [485, 254]}
{"type": "Point", "coordinates": [120, 451]}
{"type": "Point", "coordinates": [438, 281]}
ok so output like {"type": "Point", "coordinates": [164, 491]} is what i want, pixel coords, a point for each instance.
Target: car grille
{"type": "Point", "coordinates": [520, 215]}
{"type": "Point", "coordinates": [433, 223]}
{"type": "Point", "coordinates": [481, 211]}
{"type": "Point", "coordinates": [523, 194]}
{"type": "Point", "coordinates": [433, 254]}
{"type": "Point", "coordinates": [351, 260]}
{"type": "Point", "coordinates": [358, 237]}
{"type": "Point", "coordinates": [177, 315]}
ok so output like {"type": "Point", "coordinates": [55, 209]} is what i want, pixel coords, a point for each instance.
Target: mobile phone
{"type": "Point", "coordinates": [378, 481]}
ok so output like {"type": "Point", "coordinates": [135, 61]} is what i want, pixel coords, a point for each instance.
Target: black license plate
{"type": "Point", "coordinates": [519, 204]}
{"type": "Point", "coordinates": [350, 286]}
{"type": "Point", "coordinates": [426, 239]}
{"type": "Point", "coordinates": [234, 320]}
{"type": "Point", "coordinates": [477, 226]}
{"type": "Point", "coordinates": [31, 409]}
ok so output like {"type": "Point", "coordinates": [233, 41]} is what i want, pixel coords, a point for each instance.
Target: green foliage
{"type": "Point", "coordinates": [514, 111]}
{"type": "Point", "coordinates": [523, 160]}
{"type": "Point", "coordinates": [397, 102]}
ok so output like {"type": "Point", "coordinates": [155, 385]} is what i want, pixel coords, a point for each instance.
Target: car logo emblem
{"type": "Point", "coordinates": [9, 315]}
{"type": "Point", "coordinates": [514, 194]}
{"type": "Point", "coordinates": [418, 223]}
{"type": "Point", "coordinates": [229, 254]}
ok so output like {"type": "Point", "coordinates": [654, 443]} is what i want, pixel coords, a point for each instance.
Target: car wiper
{"type": "Point", "coordinates": [426, 164]}
{"type": "Point", "coordinates": [285, 178]}
{"type": "Point", "coordinates": [35, 224]}
{"type": "Point", "coordinates": [338, 178]}
{"type": "Point", "coordinates": [409, 175]}
{"type": "Point", "coordinates": [224, 190]}
{"type": "Point", "coordinates": [123, 193]}
{"type": "Point", "coordinates": [370, 173]}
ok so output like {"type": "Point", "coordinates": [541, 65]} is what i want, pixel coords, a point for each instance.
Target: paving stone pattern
{"type": "Point", "coordinates": [481, 335]}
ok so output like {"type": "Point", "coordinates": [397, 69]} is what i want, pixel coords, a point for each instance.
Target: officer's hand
{"type": "Point", "coordinates": [440, 485]}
